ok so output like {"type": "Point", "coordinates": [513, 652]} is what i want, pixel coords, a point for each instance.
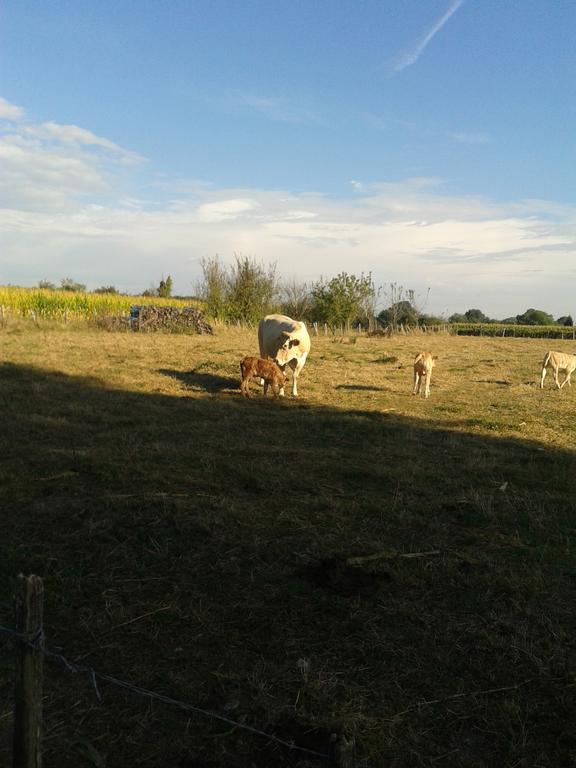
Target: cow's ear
{"type": "Point", "coordinates": [294, 343]}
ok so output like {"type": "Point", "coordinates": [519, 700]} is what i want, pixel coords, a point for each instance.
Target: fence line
{"type": "Point", "coordinates": [341, 752]}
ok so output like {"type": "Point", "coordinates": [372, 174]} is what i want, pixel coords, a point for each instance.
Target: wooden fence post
{"type": "Point", "coordinates": [29, 605]}
{"type": "Point", "coordinates": [342, 752]}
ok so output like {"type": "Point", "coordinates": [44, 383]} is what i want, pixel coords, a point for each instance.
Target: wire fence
{"type": "Point", "coordinates": [340, 752]}
{"type": "Point", "coordinates": [30, 642]}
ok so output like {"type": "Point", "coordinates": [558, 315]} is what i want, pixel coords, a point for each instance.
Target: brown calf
{"type": "Point", "coordinates": [259, 368]}
{"type": "Point", "coordinates": [423, 364]}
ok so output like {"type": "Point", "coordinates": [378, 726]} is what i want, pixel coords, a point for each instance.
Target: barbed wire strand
{"type": "Point", "coordinates": [37, 642]}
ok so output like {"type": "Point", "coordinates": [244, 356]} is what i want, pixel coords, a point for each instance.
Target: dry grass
{"type": "Point", "coordinates": [194, 543]}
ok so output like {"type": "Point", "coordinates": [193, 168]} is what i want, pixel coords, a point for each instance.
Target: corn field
{"type": "Point", "coordinates": [66, 305]}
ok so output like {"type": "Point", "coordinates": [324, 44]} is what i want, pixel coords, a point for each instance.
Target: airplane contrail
{"type": "Point", "coordinates": [408, 57]}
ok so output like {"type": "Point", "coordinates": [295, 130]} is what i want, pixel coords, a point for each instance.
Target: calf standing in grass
{"type": "Point", "coordinates": [259, 368]}
{"type": "Point", "coordinates": [423, 364]}
{"type": "Point", "coordinates": [558, 361]}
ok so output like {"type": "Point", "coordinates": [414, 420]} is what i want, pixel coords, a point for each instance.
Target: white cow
{"type": "Point", "coordinates": [423, 364]}
{"type": "Point", "coordinates": [286, 341]}
{"type": "Point", "coordinates": [558, 361]}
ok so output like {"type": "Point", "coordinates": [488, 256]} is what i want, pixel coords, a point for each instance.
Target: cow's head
{"type": "Point", "coordinates": [288, 348]}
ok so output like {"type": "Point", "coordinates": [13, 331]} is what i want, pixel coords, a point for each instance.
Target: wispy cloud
{"type": "Point", "coordinates": [277, 108]}
{"type": "Point", "coordinates": [469, 138]}
{"type": "Point", "coordinates": [75, 136]}
{"type": "Point", "coordinates": [410, 55]}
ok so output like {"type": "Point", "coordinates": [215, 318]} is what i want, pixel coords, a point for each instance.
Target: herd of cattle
{"type": "Point", "coordinates": [286, 342]}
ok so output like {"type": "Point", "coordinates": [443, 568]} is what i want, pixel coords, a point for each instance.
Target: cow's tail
{"type": "Point", "coordinates": [546, 359]}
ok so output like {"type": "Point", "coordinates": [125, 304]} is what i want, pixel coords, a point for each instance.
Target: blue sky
{"type": "Point", "coordinates": [431, 143]}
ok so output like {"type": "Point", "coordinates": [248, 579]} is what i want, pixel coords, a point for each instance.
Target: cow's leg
{"type": "Point", "coordinates": [427, 387]}
{"type": "Point", "coordinates": [266, 385]}
{"type": "Point", "coordinates": [416, 383]}
{"type": "Point", "coordinates": [566, 379]}
{"type": "Point", "coordinates": [281, 390]}
{"type": "Point", "coordinates": [543, 377]}
{"type": "Point", "coordinates": [556, 370]}
{"type": "Point", "coordinates": [296, 366]}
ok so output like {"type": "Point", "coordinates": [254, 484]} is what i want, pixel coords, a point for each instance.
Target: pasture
{"type": "Point", "coordinates": [196, 543]}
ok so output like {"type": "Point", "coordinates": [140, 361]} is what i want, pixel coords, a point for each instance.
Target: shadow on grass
{"type": "Point", "coordinates": [499, 382]}
{"type": "Point", "coordinates": [200, 381]}
{"type": "Point", "coordinates": [360, 388]}
{"type": "Point", "coordinates": [247, 556]}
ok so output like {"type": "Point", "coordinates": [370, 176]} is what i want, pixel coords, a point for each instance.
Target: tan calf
{"type": "Point", "coordinates": [423, 364]}
{"type": "Point", "coordinates": [262, 369]}
{"type": "Point", "coordinates": [558, 361]}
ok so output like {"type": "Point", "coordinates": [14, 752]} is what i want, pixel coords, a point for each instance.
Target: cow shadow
{"type": "Point", "coordinates": [499, 382]}
{"type": "Point", "coordinates": [360, 388]}
{"type": "Point", "coordinates": [200, 381]}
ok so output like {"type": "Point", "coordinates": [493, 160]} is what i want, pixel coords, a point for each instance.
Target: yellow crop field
{"type": "Point", "coordinates": [64, 305]}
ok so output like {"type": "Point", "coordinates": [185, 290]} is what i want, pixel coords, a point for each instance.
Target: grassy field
{"type": "Point", "coordinates": [197, 544]}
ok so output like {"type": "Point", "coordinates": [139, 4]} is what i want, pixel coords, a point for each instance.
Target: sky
{"type": "Point", "coordinates": [429, 142]}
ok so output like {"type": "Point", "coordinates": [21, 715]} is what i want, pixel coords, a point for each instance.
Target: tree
{"type": "Point", "coordinates": [296, 300]}
{"type": "Point", "coordinates": [343, 299]}
{"type": "Point", "coordinates": [47, 285]}
{"type": "Point", "coordinates": [165, 288]}
{"type": "Point", "coordinates": [535, 317]}
{"type": "Point", "coordinates": [212, 289]}
{"type": "Point", "coordinates": [457, 318]}
{"type": "Point", "coordinates": [400, 313]}
{"type": "Point", "coordinates": [245, 291]}
{"type": "Point", "coordinates": [67, 284]}
{"type": "Point", "coordinates": [431, 320]}
{"type": "Point", "coordinates": [565, 320]}
{"type": "Point", "coordinates": [403, 307]}
{"type": "Point", "coordinates": [476, 316]}
{"type": "Point", "coordinates": [105, 289]}
{"type": "Point", "coordinates": [251, 289]}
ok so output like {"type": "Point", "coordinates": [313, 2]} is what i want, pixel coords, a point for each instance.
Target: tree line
{"type": "Point", "coordinates": [247, 289]}
{"type": "Point", "coordinates": [530, 317]}
{"type": "Point", "coordinates": [163, 289]}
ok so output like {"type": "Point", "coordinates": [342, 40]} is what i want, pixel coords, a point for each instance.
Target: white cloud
{"type": "Point", "coordinates": [225, 210]}
{"type": "Point", "coordinates": [48, 166]}
{"type": "Point", "coordinates": [69, 205]}
{"type": "Point", "coordinates": [406, 232]}
{"type": "Point", "coordinates": [35, 179]}
{"type": "Point", "coordinates": [411, 55]}
{"type": "Point", "coordinates": [10, 111]}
